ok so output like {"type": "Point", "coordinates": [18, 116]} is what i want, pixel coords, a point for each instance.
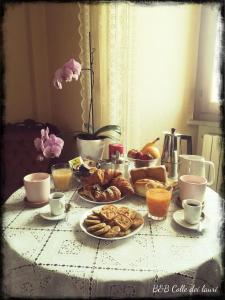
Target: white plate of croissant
{"type": "Point", "coordinates": [111, 222]}
{"type": "Point", "coordinates": [104, 187]}
{"type": "Point", "coordinates": [96, 195]}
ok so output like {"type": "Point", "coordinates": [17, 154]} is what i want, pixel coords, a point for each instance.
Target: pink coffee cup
{"type": "Point", "coordinates": [192, 187]}
{"type": "Point", "coordinates": [37, 187]}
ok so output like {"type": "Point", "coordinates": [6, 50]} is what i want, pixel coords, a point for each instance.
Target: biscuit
{"type": "Point", "coordinates": [91, 222]}
{"type": "Point", "coordinates": [137, 222]}
{"type": "Point", "coordinates": [109, 207]}
{"type": "Point", "coordinates": [93, 217]}
{"type": "Point", "coordinates": [123, 210]}
{"type": "Point", "coordinates": [102, 231]}
{"type": "Point", "coordinates": [123, 221]}
{"type": "Point", "coordinates": [130, 213]}
{"type": "Point", "coordinates": [111, 223]}
{"type": "Point", "coordinates": [96, 227]}
{"type": "Point", "coordinates": [123, 233]}
{"type": "Point", "coordinates": [96, 212]}
{"type": "Point", "coordinates": [112, 232]}
{"type": "Point", "coordinates": [108, 215]}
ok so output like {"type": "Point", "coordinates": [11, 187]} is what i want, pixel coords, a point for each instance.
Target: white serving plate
{"type": "Point", "coordinates": [89, 212]}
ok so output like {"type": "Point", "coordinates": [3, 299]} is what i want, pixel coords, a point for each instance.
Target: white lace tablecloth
{"type": "Point", "coordinates": [55, 259]}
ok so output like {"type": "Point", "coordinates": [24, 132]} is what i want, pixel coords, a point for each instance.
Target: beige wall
{"type": "Point", "coordinates": [36, 43]}
{"type": "Point", "coordinates": [38, 38]}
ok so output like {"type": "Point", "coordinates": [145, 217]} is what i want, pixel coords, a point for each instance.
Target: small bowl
{"type": "Point", "coordinates": [140, 163]}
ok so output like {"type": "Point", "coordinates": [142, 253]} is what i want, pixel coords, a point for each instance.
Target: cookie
{"type": "Point", "coordinates": [93, 217]}
{"type": "Point", "coordinates": [96, 212]}
{"type": "Point", "coordinates": [113, 232]}
{"type": "Point", "coordinates": [91, 222]}
{"type": "Point", "coordinates": [123, 210]}
{"type": "Point", "coordinates": [138, 221]}
{"type": "Point", "coordinates": [124, 233]}
{"type": "Point", "coordinates": [96, 227]}
{"type": "Point", "coordinates": [102, 231]}
{"type": "Point", "coordinates": [108, 214]}
{"type": "Point", "coordinates": [123, 221]}
{"type": "Point", "coordinates": [130, 213]}
{"type": "Point", "coordinates": [109, 207]}
{"type": "Point", "coordinates": [111, 223]}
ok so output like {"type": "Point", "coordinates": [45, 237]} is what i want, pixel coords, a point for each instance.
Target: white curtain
{"type": "Point", "coordinates": [109, 26]}
{"type": "Point", "coordinates": [145, 67]}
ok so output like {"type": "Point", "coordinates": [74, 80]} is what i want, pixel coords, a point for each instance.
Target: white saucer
{"type": "Point", "coordinates": [45, 213]}
{"type": "Point", "coordinates": [178, 217]}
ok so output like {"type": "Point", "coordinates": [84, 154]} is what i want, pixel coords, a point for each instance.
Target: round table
{"type": "Point", "coordinates": [56, 259]}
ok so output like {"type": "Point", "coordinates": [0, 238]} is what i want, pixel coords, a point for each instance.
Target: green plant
{"type": "Point", "coordinates": [71, 70]}
{"type": "Point", "coordinates": [98, 133]}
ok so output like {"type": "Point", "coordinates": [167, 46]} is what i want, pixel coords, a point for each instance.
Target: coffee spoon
{"type": "Point", "coordinates": [201, 228]}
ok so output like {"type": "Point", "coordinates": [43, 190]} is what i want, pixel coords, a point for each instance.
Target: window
{"type": "Point", "coordinates": [208, 81]}
{"type": "Point", "coordinates": [216, 84]}
{"type": "Point", "coordinates": [145, 66]}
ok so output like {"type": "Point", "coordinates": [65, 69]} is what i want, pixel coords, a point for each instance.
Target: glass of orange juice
{"type": "Point", "coordinates": [62, 174]}
{"type": "Point", "coordinates": [158, 201]}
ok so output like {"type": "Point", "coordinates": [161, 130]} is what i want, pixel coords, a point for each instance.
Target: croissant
{"type": "Point", "coordinates": [87, 193]}
{"type": "Point", "coordinates": [100, 176]}
{"type": "Point", "coordinates": [110, 194]}
{"type": "Point", "coordinates": [109, 174]}
{"type": "Point", "coordinates": [123, 185]}
{"type": "Point", "coordinates": [94, 178]}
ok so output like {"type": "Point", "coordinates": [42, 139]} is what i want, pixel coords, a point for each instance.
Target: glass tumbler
{"type": "Point", "coordinates": [158, 201]}
{"type": "Point", "coordinates": [62, 175]}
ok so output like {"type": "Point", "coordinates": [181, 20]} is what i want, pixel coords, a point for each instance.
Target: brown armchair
{"type": "Point", "coordinates": [19, 155]}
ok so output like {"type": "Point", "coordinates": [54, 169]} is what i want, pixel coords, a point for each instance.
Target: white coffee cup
{"type": "Point", "coordinates": [57, 203]}
{"type": "Point", "coordinates": [192, 210]}
{"type": "Point", "coordinates": [37, 187]}
{"type": "Point", "coordinates": [192, 187]}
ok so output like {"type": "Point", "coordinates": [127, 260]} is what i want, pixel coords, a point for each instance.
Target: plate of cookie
{"type": "Point", "coordinates": [111, 222]}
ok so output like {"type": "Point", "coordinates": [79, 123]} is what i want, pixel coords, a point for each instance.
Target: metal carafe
{"type": "Point", "coordinates": [172, 149]}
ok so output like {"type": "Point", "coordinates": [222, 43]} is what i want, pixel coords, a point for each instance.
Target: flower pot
{"type": "Point", "coordinates": [90, 149]}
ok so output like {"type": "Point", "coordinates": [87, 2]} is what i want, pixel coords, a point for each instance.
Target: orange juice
{"type": "Point", "coordinates": [158, 201]}
{"type": "Point", "coordinates": [62, 178]}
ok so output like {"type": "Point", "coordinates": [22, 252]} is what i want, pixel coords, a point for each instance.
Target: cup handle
{"type": "Point", "coordinates": [212, 172]}
{"type": "Point", "coordinates": [62, 205]}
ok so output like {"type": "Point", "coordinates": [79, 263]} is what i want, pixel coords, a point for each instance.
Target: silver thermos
{"type": "Point", "coordinates": [171, 151]}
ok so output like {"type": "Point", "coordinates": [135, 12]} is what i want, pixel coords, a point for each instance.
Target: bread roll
{"type": "Point", "coordinates": [155, 173]}
{"type": "Point", "coordinates": [140, 186]}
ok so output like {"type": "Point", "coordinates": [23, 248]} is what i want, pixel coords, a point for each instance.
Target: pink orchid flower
{"type": "Point", "coordinates": [70, 70]}
{"type": "Point", "coordinates": [74, 66]}
{"type": "Point", "coordinates": [50, 145]}
{"type": "Point", "coordinates": [67, 74]}
{"type": "Point", "coordinates": [57, 81]}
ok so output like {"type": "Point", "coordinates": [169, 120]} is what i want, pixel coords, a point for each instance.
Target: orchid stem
{"type": "Point", "coordinates": [91, 105]}
{"type": "Point", "coordinates": [92, 81]}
